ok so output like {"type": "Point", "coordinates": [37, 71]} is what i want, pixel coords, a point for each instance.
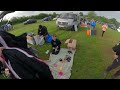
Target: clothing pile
{"type": "Point", "coordinates": [21, 62]}
{"type": "Point", "coordinates": [67, 58]}
{"type": "Point", "coordinates": [35, 39]}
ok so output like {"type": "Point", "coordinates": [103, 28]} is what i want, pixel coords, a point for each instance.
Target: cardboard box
{"type": "Point", "coordinates": [71, 43]}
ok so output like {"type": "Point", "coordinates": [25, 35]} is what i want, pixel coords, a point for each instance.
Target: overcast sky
{"type": "Point", "coordinates": [108, 14]}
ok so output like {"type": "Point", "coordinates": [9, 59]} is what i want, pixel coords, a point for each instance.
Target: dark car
{"type": "Point", "coordinates": [6, 27]}
{"type": "Point", "coordinates": [109, 25]}
{"type": "Point", "coordinates": [112, 26]}
{"type": "Point", "coordinates": [49, 18]}
{"type": "Point", "coordinates": [3, 28]}
{"type": "Point", "coordinates": [30, 21]}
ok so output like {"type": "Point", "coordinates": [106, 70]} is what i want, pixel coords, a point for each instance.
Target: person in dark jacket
{"type": "Point", "coordinates": [55, 45]}
{"type": "Point", "coordinates": [115, 63]}
{"type": "Point", "coordinates": [27, 67]}
{"type": "Point", "coordinates": [17, 41]}
{"type": "Point", "coordinates": [14, 41]}
{"type": "Point", "coordinates": [42, 31]}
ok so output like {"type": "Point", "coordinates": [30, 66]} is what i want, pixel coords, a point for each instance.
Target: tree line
{"type": "Point", "coordinates": [90, 15]}
{"type": "Point", "coordinates": [16, 20]}
{"type": "Point", "coordinates": [93, 15]}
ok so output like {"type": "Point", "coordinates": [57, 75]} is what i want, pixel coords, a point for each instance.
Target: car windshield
{"type": "Point", "coordinates": [67, 16]}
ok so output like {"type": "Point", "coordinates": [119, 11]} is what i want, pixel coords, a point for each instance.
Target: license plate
{"type": "Point", "coordinates": [61, 26]}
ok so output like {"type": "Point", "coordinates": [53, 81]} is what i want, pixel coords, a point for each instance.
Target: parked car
{"type": "Point", "coordinates": [68, 20]}
{"type": "Point", "coordinates": [30, 21]}
{"type": "Point", "coordinates": [112, 26]}
{"type": "Point", "coordinates": [2, 29]}
{"type": "Point", "coordinates": [6, 27]}
{"type": "Point", "coordinates": [49, 18]}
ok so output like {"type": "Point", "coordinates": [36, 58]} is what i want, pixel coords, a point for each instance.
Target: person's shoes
{"type": "Point", "coordinates": [53, 53]}
{"type": "Point", "coordinates": [56, 53]}
{"type": "Point", "coordinates": [68, 58]}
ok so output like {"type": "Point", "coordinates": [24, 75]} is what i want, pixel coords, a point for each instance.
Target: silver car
{"type": "Point", "coordinates": [68, 20]}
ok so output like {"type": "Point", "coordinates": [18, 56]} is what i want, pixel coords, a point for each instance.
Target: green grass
{"type": "Point", "coordinates": [93, 55]}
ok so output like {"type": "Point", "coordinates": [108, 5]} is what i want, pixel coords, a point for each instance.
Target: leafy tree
{"type": "Point", "coordinates": [54, 14]}
{"type": "Point", "coordinates": [92, 14]}
{"type": "Point", "coordinates": [81, 13]}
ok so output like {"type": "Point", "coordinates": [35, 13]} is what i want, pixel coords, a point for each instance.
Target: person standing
{"type": "Point", "coordinates": [92, 27]}
{"type": "Point", "coordinates": [104, 28]}
{"type": "Point", "coordinates": [92, 24]}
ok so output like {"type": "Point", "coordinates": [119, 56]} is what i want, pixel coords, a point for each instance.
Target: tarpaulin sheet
{"type": "Point", "coordinates": [61, 70]}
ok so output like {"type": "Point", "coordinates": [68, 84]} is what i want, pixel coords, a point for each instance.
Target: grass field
{"type": "Point", "coordinates": [93, 55]}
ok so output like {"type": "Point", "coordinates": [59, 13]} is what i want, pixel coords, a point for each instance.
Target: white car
{"type": "Point", "coordinates": [68, 20]}
{"type": "Point", "coordinates": [118, 29]}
